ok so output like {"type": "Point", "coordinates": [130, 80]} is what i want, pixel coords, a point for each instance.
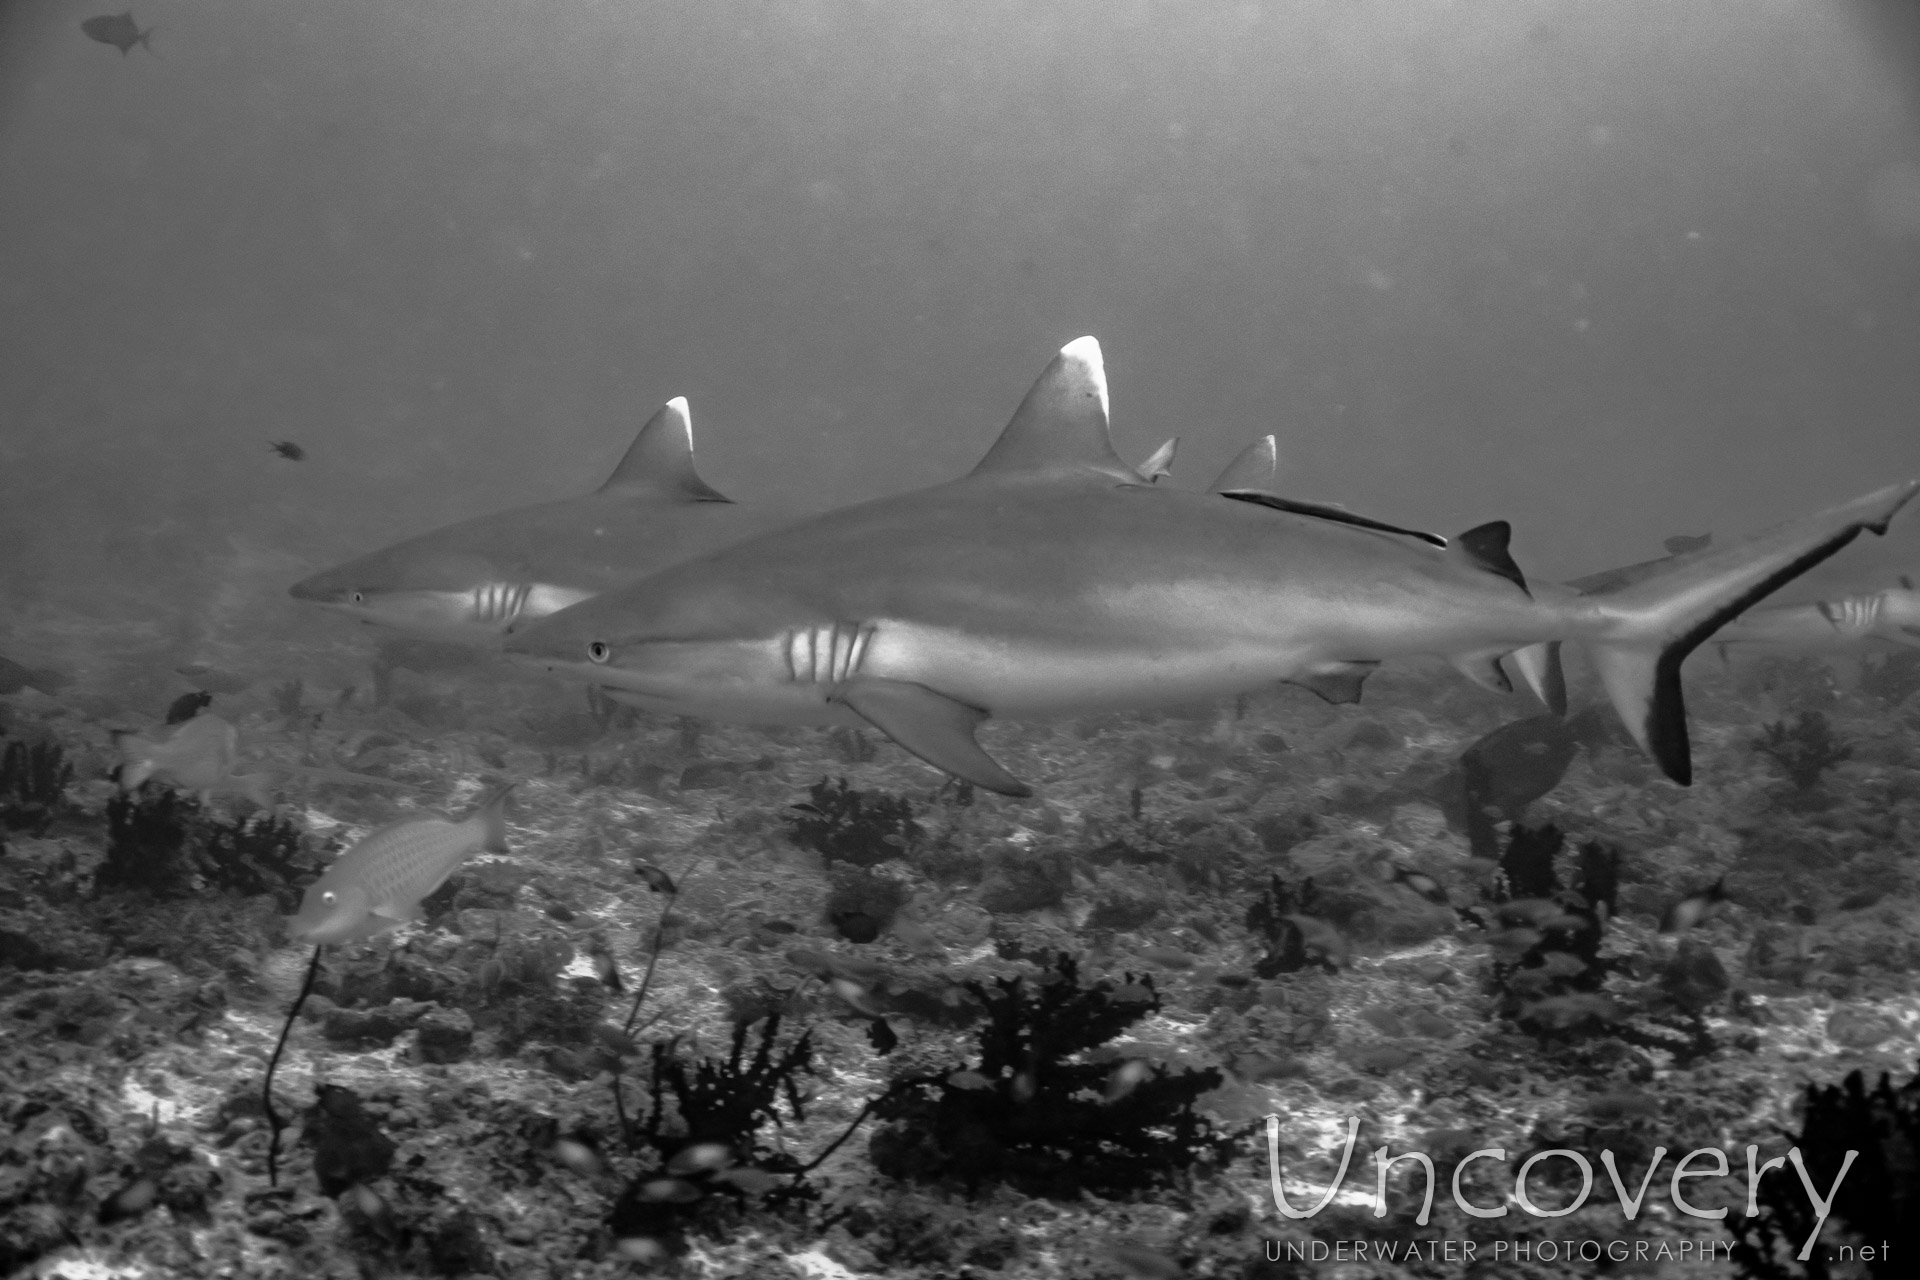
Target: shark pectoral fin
{"type": "Point", "coordinates": [1540, 667]}
{"type": "Point", "coordinates": [1485, 547]}
{"type": "Point", "coordinates": [933, 727]}
{"type": "Point", "coordinates": [1336, 682]}
{"type": "Point", "coordinates": [1484, 669]}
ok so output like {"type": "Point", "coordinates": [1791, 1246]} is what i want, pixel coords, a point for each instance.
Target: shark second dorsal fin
{"type": "Point", "coordinates": [1062, 424]}
{"type": "Point", "coordinates": [659, 462]}
{"type": "Point", "coordinates": [1254, 467]}
{"type": "Point", "coordinates": [1160, 462]}
{"type": "Point", "coordinates": [1485, 547]}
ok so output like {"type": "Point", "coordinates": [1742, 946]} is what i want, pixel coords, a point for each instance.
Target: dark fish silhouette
{"type": "Point", "coordinates": [287, 449]}
{"type": "Point", "coordinates": [118, 30]}
{"type": "Point", "coordinates": [1513, 766]}
{"type": "Point", "coordinates": [188, 705]}
{"type": "Point", "coordinates": [1694, 908]}
{"type": "Point", "coordinates": [14, 678]}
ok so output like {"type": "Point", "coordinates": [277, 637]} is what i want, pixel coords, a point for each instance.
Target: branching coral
{"type": "Point", "coordinates": [1803, 750]}
{"type": "Point", "coordinates": [860, 827]}
{"type": "Point", "coordinates": [1044, 1108]}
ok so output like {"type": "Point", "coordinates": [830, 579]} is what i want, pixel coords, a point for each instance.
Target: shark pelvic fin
{"type": "Point", "coordinates": [660, 460]}
{"type": "Point", "coordinates": [1484, 669]}
{"type": "Point", "coordinates": [933, 727]}
{"type": "Point", "coordinates": [1485, 547]}
{"type": "Point", "coordinates": [1336, 682]}
{"type": "Point", "coordinates": [1254, 467]}
{"type": "Point", "coordinates": [1062, 424]}
{"type": "Point", "coordinates": [1328, 511]}
{"type": "Point", "coordinates": [1539, 666]}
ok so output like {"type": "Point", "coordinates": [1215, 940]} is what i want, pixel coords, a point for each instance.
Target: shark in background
{"type": "Point", "coordinates": [465, 583]}
{"type": "Point", "coordinates": [1846, 625]}
{"type": "Point", "coordinates": [1051, 581]}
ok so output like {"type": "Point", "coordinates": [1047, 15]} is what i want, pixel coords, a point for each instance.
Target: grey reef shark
{"type": "Point", "coordinates": [1849, 624]}
{"type": "Point", "coordinates": [466, 582]}
{"type": "Point", "coordinates": [1052, 581]}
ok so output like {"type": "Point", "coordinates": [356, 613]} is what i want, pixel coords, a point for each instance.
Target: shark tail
{"type": "Point", "coordinates": [1640, 634]}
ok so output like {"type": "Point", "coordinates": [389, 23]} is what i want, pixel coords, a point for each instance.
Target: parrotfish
{"type": "Point", "coordinates": [195, 755]}
{"type": "Point", "coordinates": [378, 884]}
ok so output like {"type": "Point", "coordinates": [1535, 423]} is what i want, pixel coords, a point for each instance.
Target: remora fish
{"type": "Point", "coordinates": [1830, 626]}
{"type": "Point", "coordinates": [377, 885]}
{"type": "Point", "coordinates": [465, 582]}
{"type": "Point", "coordinates": [1051, 582]}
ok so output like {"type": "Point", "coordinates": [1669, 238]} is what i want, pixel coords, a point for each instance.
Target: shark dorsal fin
{"type": "Point", "coordinates": [1485, 546]}
{"type": "Point", "coordinates": [1254, 467]}
{"type": "Point", "coordinates": [659, 462]}
{"type": "Point", "coordinates": [1062, 424]}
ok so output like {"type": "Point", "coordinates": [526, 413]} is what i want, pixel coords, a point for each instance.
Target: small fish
{"type": "Point", "coordinates": [854, 996]}
{"type": "Point", "coordinates": [377, 885]}
{"type": "Point", "coordinates": [130, 1201]}
{"type": "Point", "coordinates": [1694, 909]}
{"type": "Point", "coordinates": [288, 450]}
{"type": "Point", "coordinates": [669, 1191]}
{"type": "Point", "coordinates": [196, 755]}
{"type": "Point", "coordinates": [119, 31]}
{"type": "Point", "coordinates": [579, 1157]}
{"type": "Point", "coordinates": [1167, 957]}
{"type": "Point", "coordinates": [656, 879]}
{"type": "Point", "coordinates": [1127, 1077]}
{"type": "Point", "coordinates": [1561, 1012]}
{"type": "Point", "coordinates": [642, 1249]}
{"type": "Point", "coordinates": [1421, 883]}
{"type": "Point", "coordinates": [605, 967]}
{"type": "Point", "coordinates": [1513, 942]}
{"type": "Point", "coordinates": [700, 1157]}
{"type": "Point", "coordinates": [188, 705]}
{"type": "Point", "coordinates": [1562, 964]}
{"type": "Point", "coordinates": [969, 1080]}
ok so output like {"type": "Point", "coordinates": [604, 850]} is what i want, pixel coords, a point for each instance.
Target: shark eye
{"type": "Point", "coordinates": [329, 897]}
{"type": "Point", "coordinates": [358, 597]}
{"type": "Point", "coordinates": [598, 651]}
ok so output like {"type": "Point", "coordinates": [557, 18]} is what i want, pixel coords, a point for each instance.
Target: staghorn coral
{"type": "Point", "coordinates": [1804, 750]}
{"type": "Point", "coordinates": [860, 827]}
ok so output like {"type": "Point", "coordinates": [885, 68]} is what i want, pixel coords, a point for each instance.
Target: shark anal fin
{"type": "Point", "coordinates": [1327, 511]}
{"type": "Point", "coordinates": [1335, 682]}
{"type": "Point", "coordinates": [1485, 546]}
{"type": "Point", "coordinates": [1484, 669]}
{"type": "Point", "coordinates": [934, 727]}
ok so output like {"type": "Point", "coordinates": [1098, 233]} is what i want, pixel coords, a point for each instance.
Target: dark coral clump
{"type": "Point", "coordinates": [1283, 916]}
{"type": "Point", "coordinates": [163, 843]}
{"type": "Point", "coordinates": [702, 1136]}
{"type": "Point", "coordinates": [1804, 750]}
{"type": "Point", "coordinates": [860, 827]}
{"type": "Point", "coordinates": [1892, 678]}
{"type": "Point", "coordinates": [1043, 1109]}
{"type": "Point", "coordinates": [33, 785]}
{"type": "Point", "coordinates": [863, 904]}
{"type": "Point", "coordinates": [1874, 1200]}
{"type": "Point", "coordinates": [348, 1144]}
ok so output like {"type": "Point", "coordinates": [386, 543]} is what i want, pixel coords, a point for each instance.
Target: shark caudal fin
{"type": "Point", "coordinates": [1638, 635]}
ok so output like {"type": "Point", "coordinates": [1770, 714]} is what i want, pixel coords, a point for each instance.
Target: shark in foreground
{"type": "Point", "coordinates": [1051, 581]}
{"type": "Point", "coordinates": [1829, 626]}
{"type": "Point", "coordinates": [466, 582]}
